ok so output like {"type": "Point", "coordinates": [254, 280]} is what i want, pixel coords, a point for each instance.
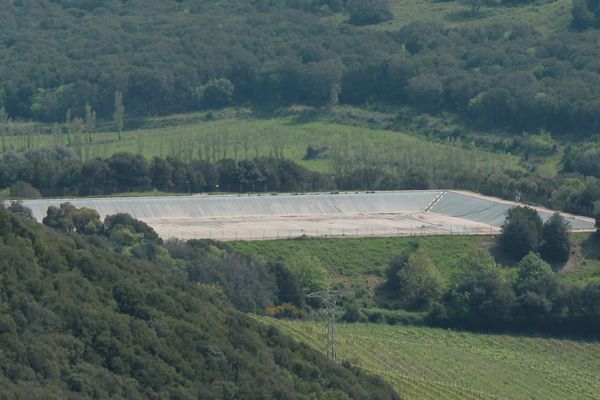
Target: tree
{"type": "Point", "coordinates": [118, 221]}
{"type": "Point", "coordinates": [215, 93]}
{"type": "Point", "coordinates": [68, 218]}
{"type": "Point", "coordinates": [542, 299]}
{"type": "Point", "coordinates": [426, 92]}
{"type": "Point", "coordinates": [90, 121]}
{"type": "Point", "coordinates": [420, 283]}
{"type": "Point", "coordinates": [521, 232]}
{"type": "Point", "coordinates": [556, 245]}
{"type": "Point", "coordinates": [597, 216]}
{"type": "Point", "coordinates": [3, 127]}
{"type": "Point", "coordinates": [481, 301]}
{"type": "Point", "coordinates": [119, 114]}
{"type": "Point", "coordinates": [87, 221]}
{"type": "Point", "coordinates": [365, 12]}
{"type": "Point", "coordinates": [288, 288]}
{"type": "Point", "coordinates": [24, 190]}
{"type": "Point", "coordinates": [60, 218]}
{"type": "Point", "coordinates": [308, 271]}
{"type": "Point", "coordinates": [17, 208]}
{"type": "Point", "coordinates": [532, 267]}
{"type": "Point", "coordinates": [398, 263]}
{"type": "Point", "coordinates": [476, 260]}
{"type": "Point", "coordinates": [475, 6]}
{"type": "Point", "coordinates": [586, 14]}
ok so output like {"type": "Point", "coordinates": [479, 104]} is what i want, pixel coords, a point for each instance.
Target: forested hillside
{"type": "Point", "coordinates": [175, 56]}
{"type": "Point", "coordinates": [85, 316]}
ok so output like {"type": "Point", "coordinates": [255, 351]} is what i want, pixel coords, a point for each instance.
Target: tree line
{"type": "Point", "coordinates": [484, 297]}
{"type": "Point", "coordinates": [60, 172]}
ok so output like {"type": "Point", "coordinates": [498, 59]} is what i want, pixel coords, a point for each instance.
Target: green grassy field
{"type": "Point", "coordinates": [545, 15]}
{"type": "Point", "coordinates": [426, 363]}
{"type": "Point", "coordinates": [349, 136]}
{"type": "Point", "coordinates": [239, 137]}
{"type": "Point", "coordinates": [353, 258]}
{"type": "Point", "coordinates": [359, 264]}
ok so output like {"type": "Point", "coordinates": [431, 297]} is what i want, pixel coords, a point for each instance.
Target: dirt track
{"type": "Point", "coordinates": [290, 226]}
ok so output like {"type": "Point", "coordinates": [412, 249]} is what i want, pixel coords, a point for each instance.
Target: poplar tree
{"type": "Point", "coordinates": [119, 114]}
{"type": "Point", "coordinates": [3, 126]}
{"type": "Point", "coordinates": [90, 121]}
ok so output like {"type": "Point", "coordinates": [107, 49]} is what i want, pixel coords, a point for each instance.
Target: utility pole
{"type": "Point", "coordinates": [329, 301]}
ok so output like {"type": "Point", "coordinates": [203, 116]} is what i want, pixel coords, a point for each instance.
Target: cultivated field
{"type": "Point", "coordinates": [426, 363]}
{"type": "Point", "coordinates": [187, 137]}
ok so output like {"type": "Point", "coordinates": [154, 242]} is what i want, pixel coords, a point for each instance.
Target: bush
{"type": "Point", "coordinates": [309, 272]}
{"type": "Point", "coordinates": [216, 93]}
{"type": "Point", "coordinates": [532, 267]}
{"type": "Point", "coordinates": [419, 281]}
{"type": "Point", "coordinates": [24, 190]}
{"type": "Point", "coordinates": [365, 12]}
{"type": "Point", "coordinates": [481, 301]}
{"type": "Point", "coordinates": [353, 313]}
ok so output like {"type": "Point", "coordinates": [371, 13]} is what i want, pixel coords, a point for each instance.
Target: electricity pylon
{"type": "Point", "coordinates": [329, 300]}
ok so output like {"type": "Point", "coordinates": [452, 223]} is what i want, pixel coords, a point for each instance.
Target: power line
{"type": "Point", "coordinates": [329, 301]}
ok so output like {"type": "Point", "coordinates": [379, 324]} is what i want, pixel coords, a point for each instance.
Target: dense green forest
{"type": "Point", "coordinates": [176, 56]}
{"type": "Point", "coordinates": [108, 313]}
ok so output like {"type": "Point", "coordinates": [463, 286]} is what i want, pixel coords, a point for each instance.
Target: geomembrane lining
{"type": "Point", "coordinates": [250, 217]}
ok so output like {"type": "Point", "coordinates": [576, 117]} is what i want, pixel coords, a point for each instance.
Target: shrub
{"type": "Point", "coordinates": [24, 190]}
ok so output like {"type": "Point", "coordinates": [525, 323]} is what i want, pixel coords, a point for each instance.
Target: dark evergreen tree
{"type": "Point", "coordinates": [521, 232]}
{"type": "Point", "coordinates": [556, 244]}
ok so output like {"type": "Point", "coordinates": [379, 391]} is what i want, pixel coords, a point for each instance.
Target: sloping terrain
{"type": "Point", "coordinates": [425, 363]}
{"type": "Point", "coordinates": [78, 320]}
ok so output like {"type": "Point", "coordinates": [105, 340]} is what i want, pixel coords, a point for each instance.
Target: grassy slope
{"type": "Point", "coordinates": [355, 257]}
{"type": "Point", "coordinates": [425, 363]}
{"type": "Point", "coordinates": [293, 135]}
{"type": "Point", "coordinates": [362, 262]}
{"type": "Point", "coordinates": [545, 15]}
